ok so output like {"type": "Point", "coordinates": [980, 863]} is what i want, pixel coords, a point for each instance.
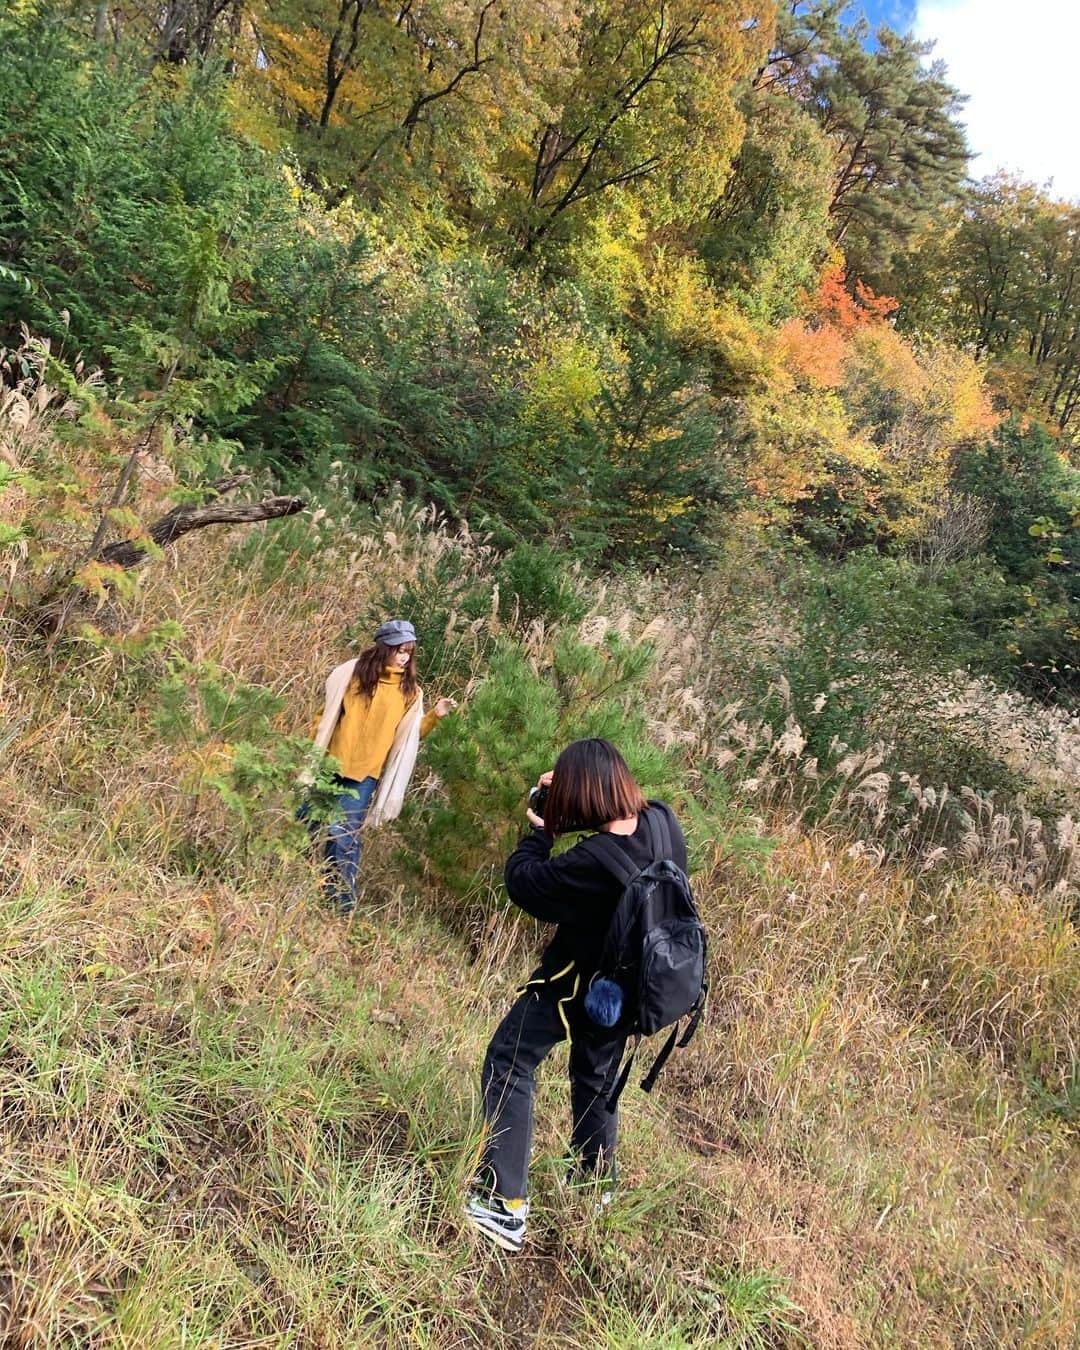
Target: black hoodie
{"type": "Point", "coordinates": [576, 891]}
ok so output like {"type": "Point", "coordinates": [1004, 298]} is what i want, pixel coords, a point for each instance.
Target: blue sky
{"type": "Point", "coordinates": [1007, 57]}
{"type": "Point", "coordinates": [898, 14]}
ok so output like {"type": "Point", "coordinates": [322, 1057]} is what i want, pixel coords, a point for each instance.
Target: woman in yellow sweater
{"type": "Point", "coordinates": [372, 725]}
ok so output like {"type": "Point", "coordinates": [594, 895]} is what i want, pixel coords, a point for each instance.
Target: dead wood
{"type": "Point", "coordinates": [51, 611]}
{"type": "Point", "coordinates": [183, 519]}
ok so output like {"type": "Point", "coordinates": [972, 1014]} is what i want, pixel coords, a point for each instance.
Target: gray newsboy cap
{"type": "Point", "coordinates": [395, 632]}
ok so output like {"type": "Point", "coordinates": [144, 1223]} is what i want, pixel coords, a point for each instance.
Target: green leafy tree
{"type": "Point", "coordinates": [1032, 497]}
{"type": "Point", "coordinates": [645, 104]}
{"type": "Point", "coordinates": [135, 211]}
{"type": "Point", "coordinates": [413, 102]}
{"type": "Point", "coordinates": [664, 472]}
{"type": "Point", "coordinates": [768, 233]}
{"type": "Point", "coordinates": [1005, 277]}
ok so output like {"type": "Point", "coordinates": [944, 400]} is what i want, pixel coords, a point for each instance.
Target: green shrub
{"type": "Point", "coordinates": [135, 211]}
{"type": "Point", "coordinates": [533, 579]}
{"type": "Point", "coordinates": [1032, 497]}
{"type": "Point", "coordinates": [523, 713]}
{"type": "Point", "coordinates": [859, 623]}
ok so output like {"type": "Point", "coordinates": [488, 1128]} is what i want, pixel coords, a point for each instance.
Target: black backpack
{"type": "Point", "coordinates": [652, 970]}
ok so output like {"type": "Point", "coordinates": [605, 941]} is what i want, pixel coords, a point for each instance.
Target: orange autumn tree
{"type": "Point", "coordinates": [817, 346]}
{"type": "Point", "coordinates": [857, 423]}
{"type": "Point", "coordinates": [806, 441]}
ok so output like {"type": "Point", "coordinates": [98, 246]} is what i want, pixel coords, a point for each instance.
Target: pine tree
{"type": "Point", "coordinates": [900, 150]}
{"type": "Point", "coordinates": [521, 715]}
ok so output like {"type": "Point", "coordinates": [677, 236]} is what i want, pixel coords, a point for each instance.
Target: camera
{"type": "Point", "coordinates": [538, 800]}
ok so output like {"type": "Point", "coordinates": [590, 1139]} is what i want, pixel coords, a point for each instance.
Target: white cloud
{"type": "Point", "coordinates": [1013, 62]}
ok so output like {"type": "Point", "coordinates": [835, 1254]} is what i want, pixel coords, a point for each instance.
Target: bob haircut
{"type": "Point", "coordinates": [590, 785]}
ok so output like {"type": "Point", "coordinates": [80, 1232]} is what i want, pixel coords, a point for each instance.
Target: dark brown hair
{"type": "Point", "coordinates": [370, 665]}
{"type": "Point", "coordinates": [590, 785]}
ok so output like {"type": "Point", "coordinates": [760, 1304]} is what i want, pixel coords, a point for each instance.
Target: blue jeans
{"type": "Point", "coordinates": [343, 841]}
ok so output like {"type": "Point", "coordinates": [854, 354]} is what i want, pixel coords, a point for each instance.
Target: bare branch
{"type": "Point", "coordinates": [183, 519]}
{"type": "Point", "coordinates": [50, 612]}
{"type": "Point", "coordinates": [477, 64]}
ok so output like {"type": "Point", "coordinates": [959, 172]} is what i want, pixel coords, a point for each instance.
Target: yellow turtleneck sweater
{"type": "Point", "coordinates": [365, 730]}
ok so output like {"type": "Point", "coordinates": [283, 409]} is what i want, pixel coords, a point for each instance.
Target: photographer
{"type": "Point", "coordinates": [590, 789]}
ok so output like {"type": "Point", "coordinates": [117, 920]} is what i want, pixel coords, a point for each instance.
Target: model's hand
{"type": "Point", "coordinates": [444, 706]}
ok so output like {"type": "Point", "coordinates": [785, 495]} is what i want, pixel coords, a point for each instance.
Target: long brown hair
{"type": "Point", "coordinates": [370, 665]}
{"type": "Point", "coordinates": [590, 785]}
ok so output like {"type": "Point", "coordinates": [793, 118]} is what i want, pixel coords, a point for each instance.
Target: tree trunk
{"type": "Point", "coordinates": [50, 612]}
{"type": "Point", "coordinates": [184, 519]}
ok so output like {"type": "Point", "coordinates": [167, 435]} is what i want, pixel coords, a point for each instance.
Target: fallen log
{"type": "Point", "coordinates": [50, 612]}
{"type": "Point", "coordinates": [183, 519]}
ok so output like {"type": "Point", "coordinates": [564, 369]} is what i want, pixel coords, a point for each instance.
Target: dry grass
{"type": "Point", "coordinates": [1042, 743]}
{"type": "Point", "coordinates": [227, 1119]}
{"type": "Point", "coordinates": [1027, 840]}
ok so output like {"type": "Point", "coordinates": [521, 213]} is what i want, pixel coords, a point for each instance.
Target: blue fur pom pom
{"type": "Point", "coordinates": [603, 1002]}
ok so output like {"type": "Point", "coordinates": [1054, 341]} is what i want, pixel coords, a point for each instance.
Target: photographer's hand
{"type": "Point", "coordinates": [544, 781]}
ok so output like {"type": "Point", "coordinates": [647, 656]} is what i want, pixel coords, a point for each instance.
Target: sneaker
{"type": "Point", "coordinates": [597, 1200]}
{"type": "Point", "coordinates": [599, 1190]}
{"type": "Point", "coordinates": [503, 1221]}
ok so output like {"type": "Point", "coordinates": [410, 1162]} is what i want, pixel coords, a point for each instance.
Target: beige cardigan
{"type": "Point", "coordinates": [400, 762]}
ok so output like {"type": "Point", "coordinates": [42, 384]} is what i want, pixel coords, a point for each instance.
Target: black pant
{"type": "Point", "coordinates": [526, 1036]}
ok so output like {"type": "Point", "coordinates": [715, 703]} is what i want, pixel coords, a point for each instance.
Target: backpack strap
{"type": "Point", "coordinates": [616, 1091]}
{"type": "Point", "coordinates": [659, 832]}
{"type": "Point", "coordinates": [696, 1015]}
{"type": "Point", "coordinates": [649, 1081]}
{"type": "Point", "coordinates": [652, 834]}
{"type": "Point", "coordinates": [612, 856]}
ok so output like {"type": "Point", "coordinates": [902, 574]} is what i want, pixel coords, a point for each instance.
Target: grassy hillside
{"type": "Point", "coordinates": [660, 363]}
{"type": "Point", "coordinates": [230, 1119]}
